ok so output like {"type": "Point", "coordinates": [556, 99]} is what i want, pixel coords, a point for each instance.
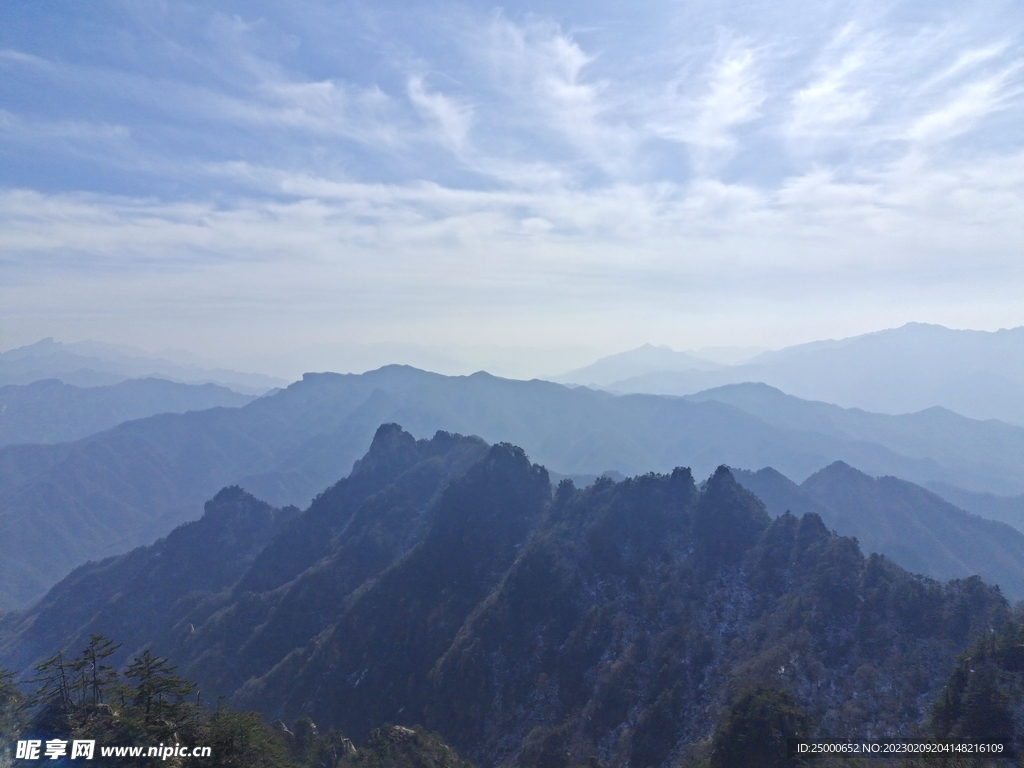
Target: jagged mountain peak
{"type": "Point", "coordinates": [722, 486]}
{"type": "Point", "coordinates": [237, 519]}
{"type": "Point", "coordinates": [608, 622]}
{"type": "Point", "coordinates": [812, 529]}
{"type": "Point", "coordinates": [231, 496]}
{"type": "Point", "coordinates": [506, 454]}
{"type": "Point", "coordinates": [390, 444]}
{"type": "Point", "coordinates": [496, 500]}
{"type": "Point", "coordinates": [728, 518]}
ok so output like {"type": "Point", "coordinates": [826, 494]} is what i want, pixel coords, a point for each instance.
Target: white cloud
{"type": "Point", "coordinates": [15, 58]}
{"type": "Point", "coordinates": [21, 128]}
{"type": "Point", "coordinates": [541, 75]}
{"type": "Point", "coordinates": [828, 105]}
{"type": "Point", "coordinates": [530, 172]}
{"type": "Point", "coordinates": [966, 61]}
{"type": "Point", "coordinates": [454, 120]}
{"type": "Point", "coordinates": [734, 97]}
{"type": "Point", "coordinates": [965, 108]}
{"type": "Point", "coordinates": [545, 65]}
{"type": "Point", "coordinates": [705, 115]}
{"type": "Point", "coordinates": [845, 87]}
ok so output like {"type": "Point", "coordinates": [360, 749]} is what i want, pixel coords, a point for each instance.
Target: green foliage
{"type": "Point", "coordinates": [545, 747]}
{"type": "Point", "coordinates": [81, 697]}
{"type": "Point", "coordinates": [728, 519]}
{"type": "Point", "coordinates": [753, 732]}
{"type": "Point", "coordinates": [54, 678]}
{"type": "Point", "coordinates": [12, 714]}
{"type": "Point", "coordinates": [979, 700]}
{"type": "Point", "coordinates": [242, 740]}
{"type": "Point", "coordinates": [158, 692]}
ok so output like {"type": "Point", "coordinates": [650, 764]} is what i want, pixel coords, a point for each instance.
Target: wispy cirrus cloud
{"type": "Point", "coordinates": [705, 118]}
{"type": "Point", "coordinates": [508, 162]}
{"type": "Point", "coordinates": [838, 99]}
{"type": "Point", "coordinates": [963, 109]}
{"type": "Point", "coordinates": [453, 120]}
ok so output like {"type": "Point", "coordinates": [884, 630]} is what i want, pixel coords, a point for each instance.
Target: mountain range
{"type": "Point", "coordinates": [909, 524]}
{"type": "Point", "coordinates": [899, 370]}
{"type": "Point", "coordinates": [50, 411]}
{"type": "Point", "coordinates": [94, 364]}
{"type": "Point", "coordinates": [1009, 509]}
{"type": "Point", "coordinates": [608, 371]}
{"type": "Point", "coordinates": [63, 504]}
{"type": "Point", "coordinates": [445, 582]}
{"type": "Point", "coordinates": [977, 455]}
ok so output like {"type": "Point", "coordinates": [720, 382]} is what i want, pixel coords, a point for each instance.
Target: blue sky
{"type": "Point", "coordinates": [284, 184]}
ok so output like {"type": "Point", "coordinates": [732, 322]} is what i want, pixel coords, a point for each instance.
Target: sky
{"type": "Point", "coordinates": [524, 187]}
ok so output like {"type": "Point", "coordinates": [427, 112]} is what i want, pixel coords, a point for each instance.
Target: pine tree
{"type": "Point", "coordinates": [100, 675]}
{"type": "Point", "coordinates": [12, 707]}
{"type": "Point", "coordinates": [158, 688]}
{"type": "Point", "coordinates": [55, 683]}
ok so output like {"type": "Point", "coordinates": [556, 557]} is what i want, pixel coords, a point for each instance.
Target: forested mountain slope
{"type": "Point", "coordinates": [445, 583]}
{"type": "Point", "coordinates": [63, 504]}
{"type": "Point", "coordinates": [909, 524]}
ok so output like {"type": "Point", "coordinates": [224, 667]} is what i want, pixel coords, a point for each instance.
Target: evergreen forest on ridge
{"type": "Point", "coordinates": [446, 602]}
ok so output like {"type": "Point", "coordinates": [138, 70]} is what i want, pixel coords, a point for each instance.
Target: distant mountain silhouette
{"type": "Point", "coordinates": [982, 455]}
{"type": "Point", "coordinates": [901, 370]}
{"type": "Point", "coordinates": [446, 583]}
{"type": "Point", "coordinates": [907, 523]}
{"type": "Point", "coordinates": [635, 362]}
{"type": "Point", "coordinates": [50, 411]}
{"type": "Point", "coordinates": [61, 505]}
{"type": "Point", "coordinates": [1006, 509]}
{"type": "Point", "coordinates": [94, 364]}
{"type": "Point", "coordinates": [779, 493]}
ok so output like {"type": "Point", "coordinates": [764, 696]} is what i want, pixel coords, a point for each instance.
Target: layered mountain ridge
{"type": "Point", "coordinates": [445, 583]}
{"type": "Point", "coordinates": [50, 411]}
{"type": "Point", "coordinates": [914, 527]}
{"type": "Point", "coordinates": [61, 505]}
{"type": "Point", "coordinates": [67, 503]}
{"type": "Point", "coordinates": [897, 370]}
{"type": "Point", "coordinates": [95, 364]}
